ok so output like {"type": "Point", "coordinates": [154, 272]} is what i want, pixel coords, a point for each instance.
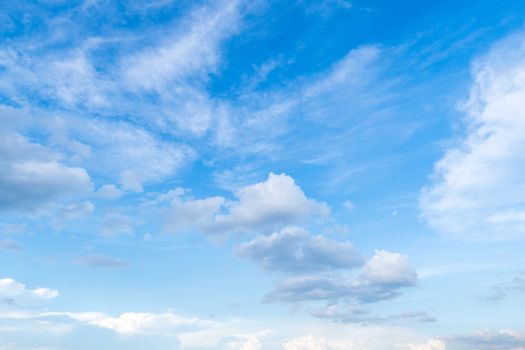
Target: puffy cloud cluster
{"type": "Point", "coordinates": [316, 343]}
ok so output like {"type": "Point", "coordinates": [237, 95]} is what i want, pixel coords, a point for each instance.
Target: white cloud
{"type": "Point", "coordinates": [387, 268]}
{"type": "Point", "coordinates": [193, 50]}
{"type": "Point", "coordinates": [478, 189]}
{"type": "Point", "coordinates": [294, 249]}
{"type": "Point", "coordinates": [126, 153]}
{"type": "Point", "coordinates": [268, 205]}
{"type": "Point", "coordinates": [11, 289]}
{"type": "Point", "coordinates": [431, 344]}
{"type": "Point", "coordinates": [316, 343]}
{"type": "Point", "coordinates": [109, 191]}
{"type": "Point", "coordinates": [136, 322]}
{"type": "Point", "coordinates": [276, 202]}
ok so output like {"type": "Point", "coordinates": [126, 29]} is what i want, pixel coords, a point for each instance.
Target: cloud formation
{"type": "Point", "coordinates": [294, 249]}
{"type": "Point", "coordinates": [381, 278]}
{"type": "Point", "coordinates": [32, 175]}
{"type": "Point", "coordinates": [478, 188]}
{"type": "Point", "coordinates": [11, 289]}
{"type": "Point", "coordinates": [261, 207]}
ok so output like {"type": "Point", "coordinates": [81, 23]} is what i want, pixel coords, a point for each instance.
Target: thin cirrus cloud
{"type": "Point", "coordinates": [478, 190]}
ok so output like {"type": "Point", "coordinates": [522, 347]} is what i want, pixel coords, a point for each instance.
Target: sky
{"type": "Point", "coordinates": [262, 175]}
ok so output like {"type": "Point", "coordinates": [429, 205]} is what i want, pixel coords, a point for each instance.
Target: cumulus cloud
{"type": "Point", "coordinates": [381, 278]}
{"type": "Point", "coordinates": [431, 344]}
{"type": "Point", "coordinates": [11, 289]}
{"type": "Point", "coordinates": [32, 176]}
{"type": "Point", "coordinates": [311, 342]}
{"type": "Point", "coordinates": [478, 188]}
{"type": "Point", "coordinates": [264, 206]}
{"type": "Point", "coordinates": [294, 249]}
{"type": "Point", "coordinates": [136, 322]}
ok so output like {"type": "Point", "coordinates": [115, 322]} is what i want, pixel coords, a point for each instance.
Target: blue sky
{"type": "Point", "coordinates": [259, 175]}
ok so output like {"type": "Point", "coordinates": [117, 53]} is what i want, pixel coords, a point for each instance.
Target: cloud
{"type": "Point", "coordinates": [33, 176]}
{"type": "Point", "coordinates": [294, 249]}
{"type": "Point", "coordinates": [316, 343]}
{"type": "Point", "coordinates": [493, 340]}
{"type": "Point", "coordinates": [354, 313]}
{"type": "Point", "coordinates": [136, 322]}
{"type": "Point", "coordinates": [11, 289]}
{"type": "Point", "coordinates": [381, 278]}
{"type": "Point", "coordinates": [431, 344]}
{"type": "Point", "coordinates": [271, 204]}
{"type": "Point", "coordinates": [194, 51]}
{"type": "Point", "coordinates": [124, 152]}
{"type": "Point", "coordinates": [9, 244]}
{"type": "Point", "coordinates": [268, 205]}
{"type": "Point", "coordinates": [477, 188]}
{"type": "Point", "coordinates": [109, 191]}
{"type": "Point", "coordinates": [100, 260]}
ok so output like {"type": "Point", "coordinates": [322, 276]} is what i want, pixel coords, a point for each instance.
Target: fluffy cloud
{"type": "Point", "coordinates": [11, 289]}
{"type": "Point", "coordinates": [478, 188]}
{"type": "Point", "coordinates": [316, 343]}
{"type": "Point", "coordinates": [264, 206]}
{"type": "Point", "coordinates": [277, 201]}
{"type": "Point", "coordinates": [32, 176]}
{"type": "Point", "coordinates": [294, 249]}
{"type": "Point", "coordinates": [432, 344]}
{"type": "Point", "coordinates": [381, 278]}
